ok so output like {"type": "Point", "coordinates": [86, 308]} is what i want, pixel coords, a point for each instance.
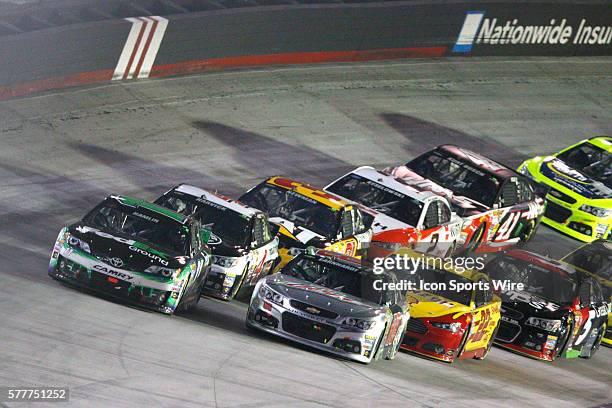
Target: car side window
{"type": "Point", "coordinates": [444, 212]}
{"type": "Point", "coordinates": [431, 216]}
{"type": "Point", "coordinates": [509, 195]}
{"type": "Point", "coordinates": [346, 225]}
{"type": "Point", "coordinates": [261, 232]}
{"type": "Point", "coordinates": [596, 293]}
{"type": "Point", "coordinates": [525, 191]}
{"type": "Point", "coordinates": [585, 294]}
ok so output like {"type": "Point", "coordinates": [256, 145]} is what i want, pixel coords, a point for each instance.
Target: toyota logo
{"type": "Point", "coordinates": [116, 262]}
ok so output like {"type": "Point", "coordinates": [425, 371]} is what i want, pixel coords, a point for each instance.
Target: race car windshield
{"type": "Point", "coordinates": [440, 282]}
{"type": "Point", "coordinates": [590, 160]}
{"type": "Point", "coordinates": [140, 225]}
{"type": "Point", "coordinates": [328, 273]}
{"type": "Point", "coordinates": [459, 176]}
{"type": "Point", "coordinates": [230, 226]}
{"type": "Point", "coordinates": [547, 284]}
{"type": "Point", "coordinates": [300, 210]}
{"type": "Point", "coordinates": [594, 258]}
{"type": "Point", "coordinates": [378, 197]}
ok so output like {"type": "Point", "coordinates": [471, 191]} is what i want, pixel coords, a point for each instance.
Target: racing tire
{"type": "Point", "coordinates": [475, 239]}
{"type": "Point", "coordinates": [530, 232]}
{"type": "Point", "coordinates": [463, 342]}
{"type": "Point", "coordinates": [490, 345]}
{"type": "Point", "coordinates": [561, 349]}
{"type": "Point", "coordinates": [601, 330]}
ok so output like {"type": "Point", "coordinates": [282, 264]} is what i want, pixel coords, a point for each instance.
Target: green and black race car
{"type": "Point", "coordinates": [137, 251]}
{"type": "Point", "coordinates": [579, 202]}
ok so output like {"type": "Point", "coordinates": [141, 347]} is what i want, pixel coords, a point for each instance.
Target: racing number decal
{"type": "Point", "coordinates": [508, 226]}
{"type": "Point", "coordinates": [481, 328]}
{"type": "Point", "coordinates": [586, 329]}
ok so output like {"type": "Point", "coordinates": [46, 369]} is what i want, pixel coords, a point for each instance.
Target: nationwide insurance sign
{"type": "Point", "coordinates": [493, 31]}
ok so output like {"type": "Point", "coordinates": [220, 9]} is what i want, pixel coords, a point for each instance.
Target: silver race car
{"type": "Point", "coordinates": [332, 303]}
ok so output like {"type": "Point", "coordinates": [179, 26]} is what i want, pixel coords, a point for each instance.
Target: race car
{"type": "Point", "coordinates": [579, 202]}
{"type": "Point", "coordinates": [454, 312]}
{"type": "Point", "coordinates": [596, 259]}
{"type": "Point", "coordinates": [332, 303]}
{"type": "Point", "coordinates": [500, 207]}
{"type": "Point", "coordinates": [136, 251]}
{"type": "Point", "coordinates": [403, 216]}
{"type": "Point", "coordinates": [242, 245]}
{"type": "Point", "coordinates": [549, 309]}
{"type": "Point", "coordinates": [306, 216]}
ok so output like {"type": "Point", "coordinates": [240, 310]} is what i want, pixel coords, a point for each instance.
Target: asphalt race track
{"type": "Point", "coordinates": [61, 153]}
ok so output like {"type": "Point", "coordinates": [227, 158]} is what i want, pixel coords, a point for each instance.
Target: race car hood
{"type": "Point", "coordinates": [558, 171]}
{"type": "Point", "coordinates": [531, 304]}
{"type": "Point", "coordinates": [297, 233]}
{"type": "Point", "coordinates": [221, 247]}
{"type": "Point", "coordinates": [325, 298]}
{"type": "Point", "coordinates": [121, 252]}
{"type": "Point", "coordinates": [462, 205]}
{"type": "Point", "coordinates": [425, 304]}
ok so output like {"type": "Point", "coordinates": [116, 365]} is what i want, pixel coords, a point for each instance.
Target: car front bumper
{"type": "Point", "coordinates": [569, 219]}
{"type": "Point", "coordinates": [321, 334]}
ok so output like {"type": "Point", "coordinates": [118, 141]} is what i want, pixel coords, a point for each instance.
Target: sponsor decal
{"type": "Point", "coordinates": [109, 271]}
{"type": "Point", "coordinates": [145, 217]}
{"type": "Point", "coordinates": [478, 29]}
{"type": "Point", "coordinates": [149, 254]}
{"type": "Point", "coordinates": [312, 310]}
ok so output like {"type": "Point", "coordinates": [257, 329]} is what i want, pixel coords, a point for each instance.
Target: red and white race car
{"type": "Point", "coordinates": [404, 216]}
{"type": "Point", "coordinates": [499, 206]}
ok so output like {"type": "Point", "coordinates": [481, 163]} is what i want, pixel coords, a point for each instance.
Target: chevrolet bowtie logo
{"type": "Point", "coordinates": [313, 310]}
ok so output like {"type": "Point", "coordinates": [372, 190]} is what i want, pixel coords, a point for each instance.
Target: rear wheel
{"type": "Point", "coordinates": [528, 232]}
{"type": "Point", "coordinates": [475, 239]}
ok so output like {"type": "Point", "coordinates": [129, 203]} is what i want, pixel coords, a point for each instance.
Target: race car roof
{"type": "Point", "coordinates": [374, 175]}
{"type": "Point", "coordinates": [323, 197]}
{"type": "Point", "coordinates": [135, 202]}
{"type": "Point", "coordinates": [482, 162]}
{"type": "Point", "coordinates": [218, 199]}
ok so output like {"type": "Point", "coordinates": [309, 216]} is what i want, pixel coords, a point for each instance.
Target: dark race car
{"type": "Point", "coordinates": [596, 259]}
{"type": "Point", "coordinates": [332, 303]}
{"type": "Point", "coordinates": [243, 247]}
{"type": "Point", "coordinates": [500, 207]}
{"type": "Point", "coordinates": [136, 251]}
{"type": "Point", "coordinates": [560, 311]}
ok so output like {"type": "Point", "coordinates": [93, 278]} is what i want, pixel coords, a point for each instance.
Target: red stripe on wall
{"type": "Point", "coordinates": [84, 78]}
{"type": "Point", "coordinates": [186, 67]}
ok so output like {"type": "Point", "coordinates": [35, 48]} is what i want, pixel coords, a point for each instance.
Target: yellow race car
{"type": "Point", "coordinates": [454, 313]}
{"type": "Point", "coordinates": [596, 260]}
{"type": "Point", "coordinates": [306, 216]}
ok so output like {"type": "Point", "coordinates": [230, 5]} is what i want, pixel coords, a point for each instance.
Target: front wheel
{"type": "Point", "coordinates": [601, 330]}
{"type": "Point", "coordinates": [463, 342]}
{"type": "Point", "coordinates": [490, 344]}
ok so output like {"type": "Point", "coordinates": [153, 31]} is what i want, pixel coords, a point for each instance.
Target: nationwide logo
{"type": "Point", "coordinates": [477, 29]}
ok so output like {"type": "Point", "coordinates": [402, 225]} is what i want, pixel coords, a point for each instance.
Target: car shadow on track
{"type": "Point", "coordinates": [422, 135]}
{"type": "Point", "coordinates": [152, 176]}
{"type": "Point", "coordinates": [264, 156]}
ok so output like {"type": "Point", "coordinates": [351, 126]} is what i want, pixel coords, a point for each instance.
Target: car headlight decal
{"type": "Point", "coordinates": [360, 323]}
{"type": "Point", "coordinates": [546, 324]}
{"type": "Point", "coordinates": [451, 327]}
{"type": "Point", "coordinates": [76, 242]}
{"type": "Point", "coordinates": [596, 211]}
{"type": "Point", "coordinates": [268, 294]}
